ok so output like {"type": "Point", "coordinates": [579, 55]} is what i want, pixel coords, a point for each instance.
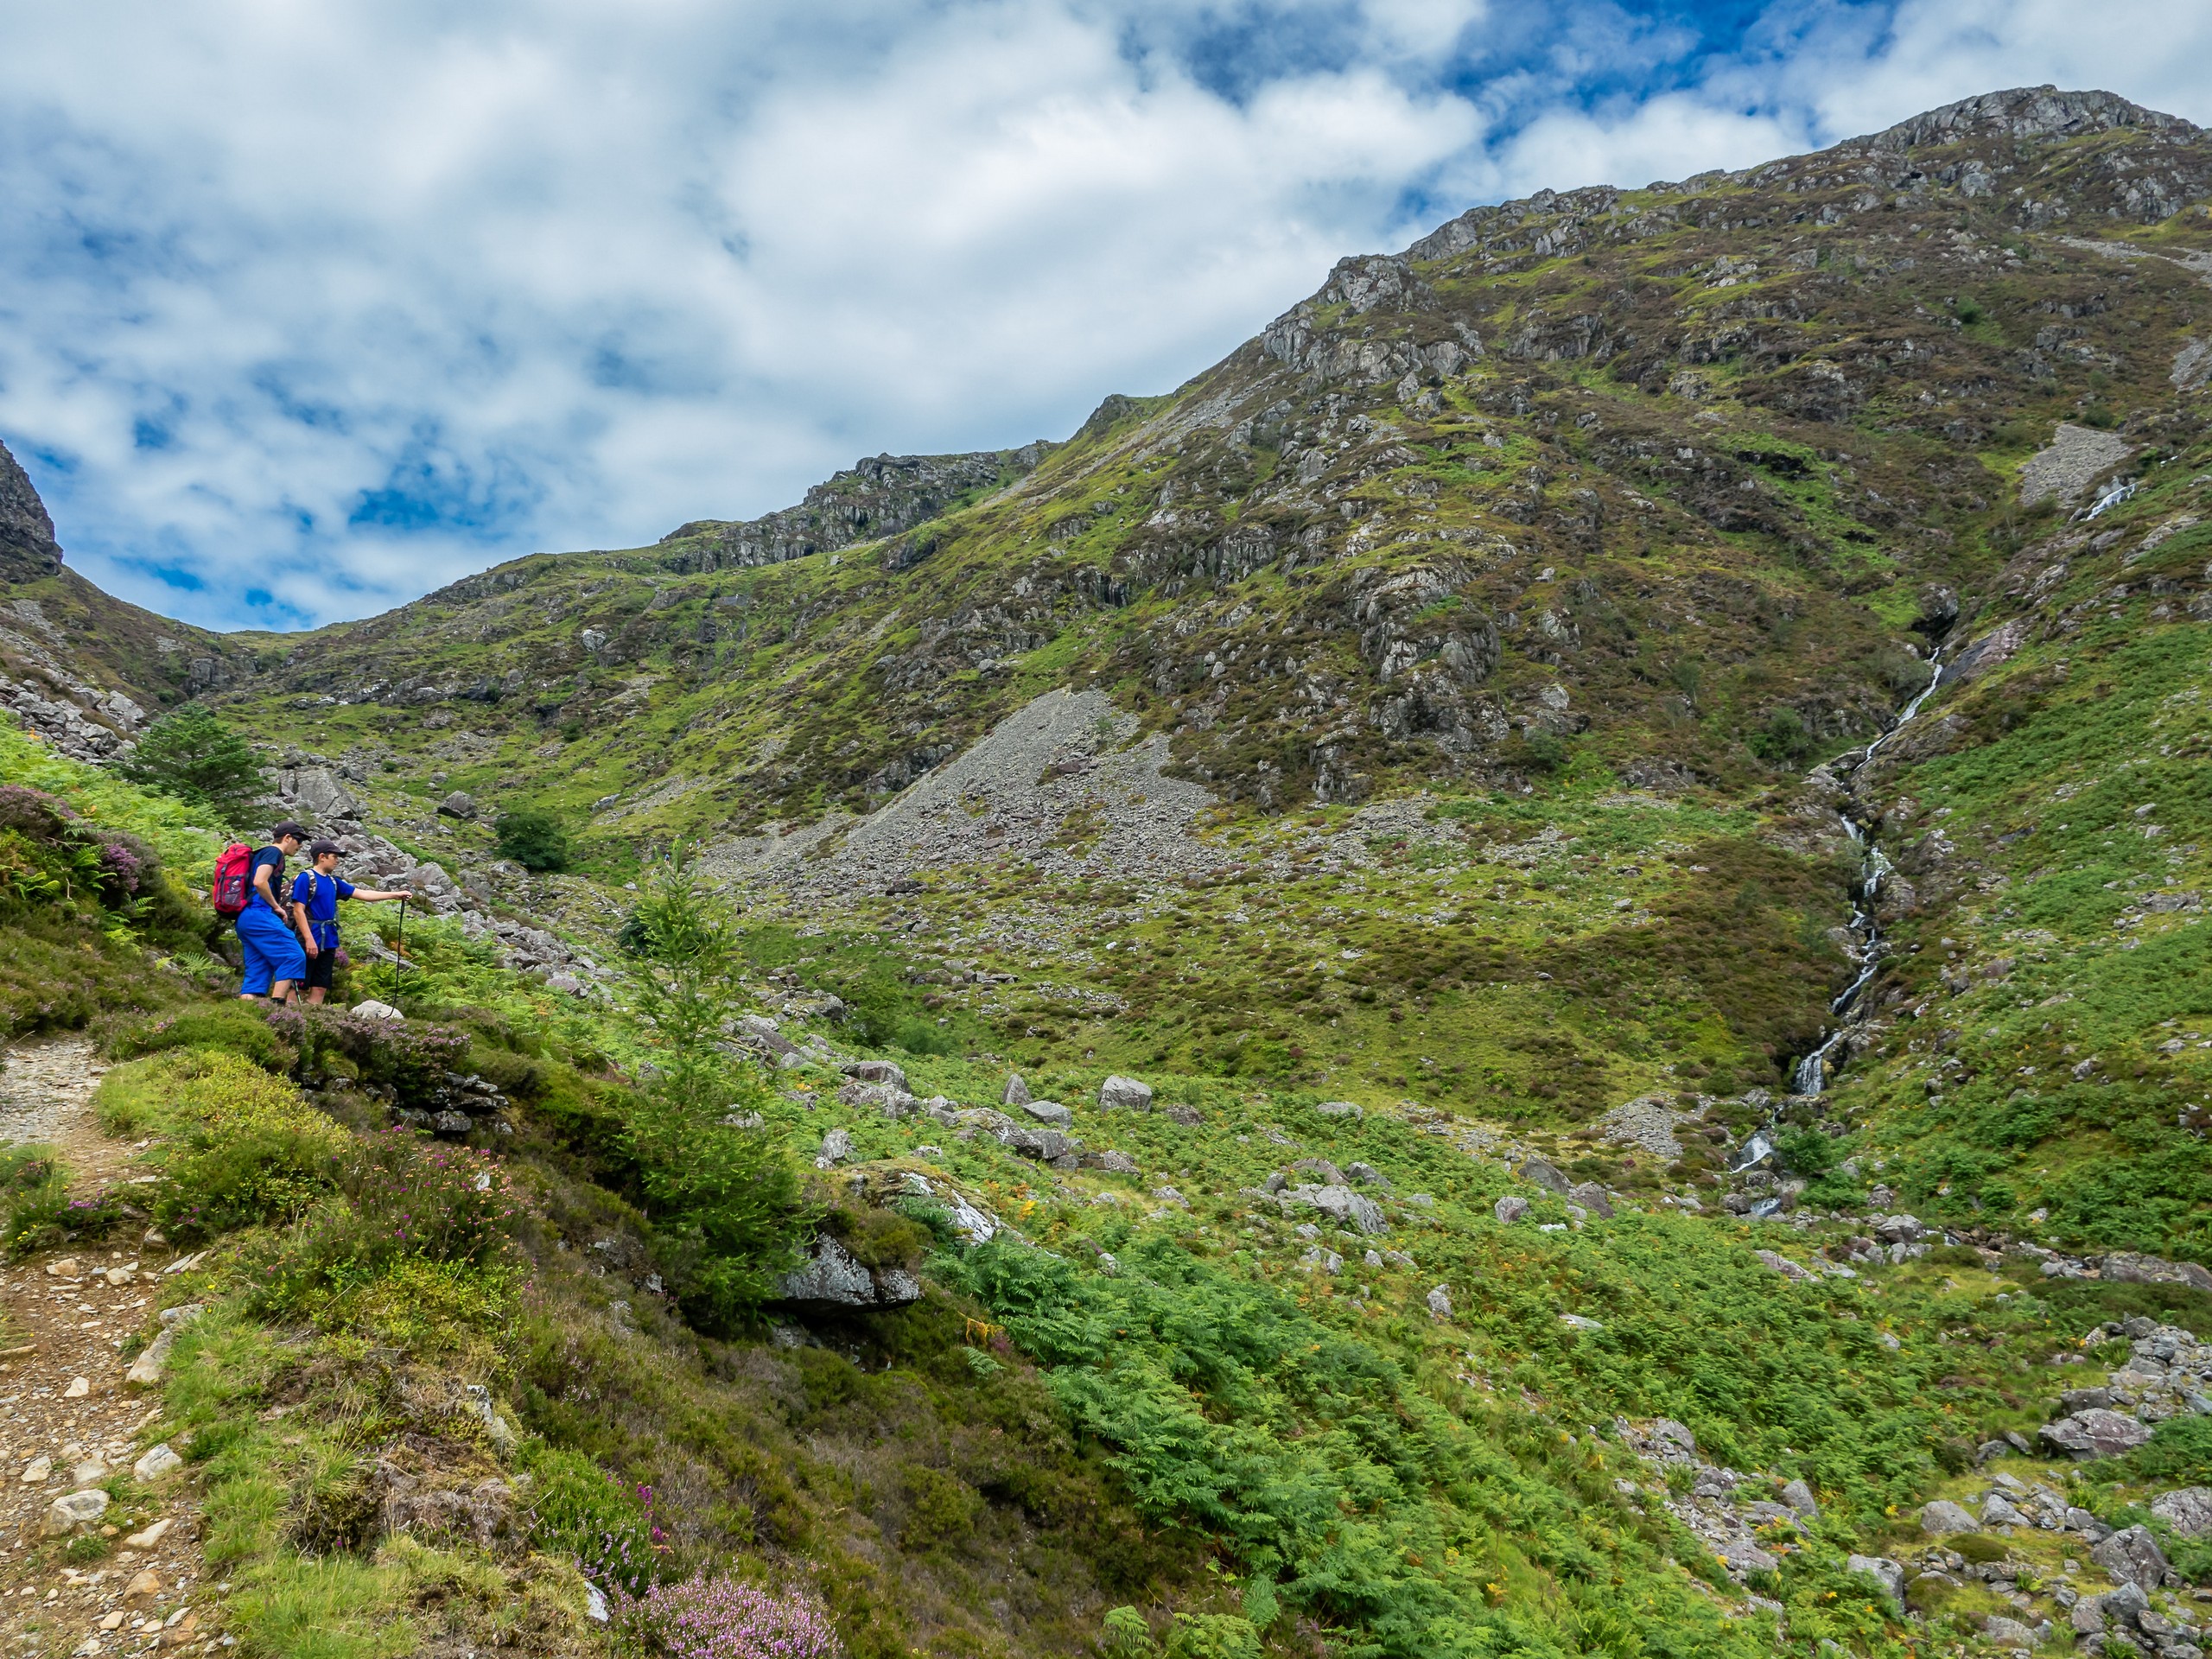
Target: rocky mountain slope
{"type": "Point", "coordinates": [85, 670]}
{"type": "Point", "coordinates": [1631, 780]}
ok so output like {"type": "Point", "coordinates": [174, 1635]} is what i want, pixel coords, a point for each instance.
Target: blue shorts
{"type": "Point", "coordinates": [273, 950]}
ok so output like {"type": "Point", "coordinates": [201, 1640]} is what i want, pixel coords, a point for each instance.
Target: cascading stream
{"type": "Point", "coordinates": [1810, 1078]}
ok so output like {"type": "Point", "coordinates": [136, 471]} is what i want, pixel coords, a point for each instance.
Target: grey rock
{"type": "Point", "coordinates": [1591, 1197]}
{"type": "Point", "coordinates": [451, 1123]}
{"type": "Point", "coordinates": [1440, 1302]}
{"type": "Point", "coordinates": [1742, 1558]}
{"type": "Point", "coordinates": [1350, 1208]}
{"type": "Point", "coordinates": [2076, 457]}
{"type": "Point", "coordinates": [2081, 1521]}
{"type": "Point", "coordinates": [1047, 1111]}
{"type": "Point", "coordinates": [459, 804]}
{"type": "Point", "coordinates": [876, 1071]}
{"type": "Point", "coordinates": [1944, 1516]}
{"type": "Point", "coordinates": [2095, 1433]}
{"type": "Point", "coordinates": [1117, 1092]}
{"type": "Point", "coordinates": [837, 1147]}
{"type": "Point", "coordinates": [2075, 1400]}
{"type": "Point", "coordinates": [1274, 1183]}
{"type": "Point", "coordinates": [1885, 1572]}
{"type": "Point", "coordinates": [1322, 1169]}
{"type": "Point", "coordinates": [1540, 1172]}
{"type": "Point", "coordinates": [2125, 1605]}
{"type": "Point", "coordinates": [1016, 1092]}
{"type": "Point", "coordinates": [1509, 1209]}
{"type": "Point", "coordinates": [1188, 1116]}
{"type": "Point", "coordinates": [1116, 1163]}
{"type": "Point", "coordinates": [2008, 1632]}
{"type": "Point", "coordinates": [833, 1276]}
{"type": "Point", "coordinates": [1799, 1497]}
{"type": "Point", "coordinates": [1340, 1108]}
{"type": "Point", "coordinates": [158, 1462]}
{"type": "Point", "coordinates": [1672, 1440]}
{"type": "Point", "coordinates": [2186, 1510]}
{"type": "Point", "coordinates": [74, 1511]}
{"type": "Point", "coordinates": [1996, 1511]}
{"type": "Point", "coordinates": [2087, 1616]}
{"type": "Point", "coordinates": [369, 1009]}
{"type": "Point", "coordinates": [316, 790]}
{"type": "Point", "coordinates": [1368, 1175]}
{"type": "Point", "coordinates": [2132, 1554]}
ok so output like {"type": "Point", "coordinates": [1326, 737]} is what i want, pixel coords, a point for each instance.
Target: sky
{"type": "Point", "coordinates": [308, 310]}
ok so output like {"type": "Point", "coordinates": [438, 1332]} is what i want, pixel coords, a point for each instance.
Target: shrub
{"type": "Point", "coordinates": [707, 1617]}
{"type": "Point", "coordinates": [408, 1059]}
{"type": "Point", "coordinates": [577, 1509]}
{"type": "Point", "coordinates": [230, 1026]}
{"type": "Point", "coordinates": [41, 1213]}
{"type": "Point", "coordinates": [2179, 1453]}
{"type": "Point", "coordinates": [406, 1200]}
{"type": "Point", "coordinates": [534, 838]}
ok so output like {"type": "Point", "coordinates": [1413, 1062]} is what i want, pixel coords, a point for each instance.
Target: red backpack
{"type": "Point", "coordinates": [232, 885]}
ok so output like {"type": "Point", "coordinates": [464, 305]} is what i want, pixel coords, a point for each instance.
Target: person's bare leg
{"type": "Point", "coordinates": [315, 996]}
{"type": "Point", "coordinates": [280, 991]}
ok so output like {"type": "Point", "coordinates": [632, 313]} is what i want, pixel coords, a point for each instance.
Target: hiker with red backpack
{"type": "Point", "coordinates": [246, 886]}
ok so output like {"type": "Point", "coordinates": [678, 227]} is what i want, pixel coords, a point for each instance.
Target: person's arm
{"type": "Point", "coordinates": [300, 915]}
{"type": "Point", "coordinates": [376, 895]}
{"type": "Point", "coordinates": [261, 887]}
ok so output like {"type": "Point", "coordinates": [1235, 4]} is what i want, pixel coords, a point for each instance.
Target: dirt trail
{"type": "Point", "coordinates": [68, 1421]}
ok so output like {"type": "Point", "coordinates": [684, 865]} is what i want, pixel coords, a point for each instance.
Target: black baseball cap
{"type": "Point", "coordinates": [317, 849]}
{"type": "Point", "coordinates": [297, 831]}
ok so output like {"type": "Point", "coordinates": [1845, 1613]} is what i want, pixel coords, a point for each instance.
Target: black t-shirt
{"type": "Point", "coordinates": [274, 858]}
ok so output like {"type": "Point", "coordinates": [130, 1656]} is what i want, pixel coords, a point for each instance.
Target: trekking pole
{"type": "Point", "coordinates": [399, 956]}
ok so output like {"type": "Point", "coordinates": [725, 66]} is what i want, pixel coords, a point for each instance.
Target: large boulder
{"type": "Point", "coordinates": [2095, 1434]}
{"type": "Point", "coordinates": [1944, 1516]}
{"type": "Point", "coordinates": [1885, 1572]}
{"type": "Point", "coordinates": [2133, 1556]}
{"type": "Point", "coordinates": [2187, 1511]}
{"type": "Point", "coordinates": [1048, 1111]}
{"type": "Point", "coordinates": [76, 1510]}
{"type": "Point", "coordinates": [832, 1276]}
{"type": "Point", "coordinates": [1118, 1091]}
{"type": "Point", "coordinates": [1542, 1172]}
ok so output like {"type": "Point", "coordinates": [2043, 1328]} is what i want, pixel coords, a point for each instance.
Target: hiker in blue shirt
{"type": "Point", "coordinates": [315, 894]}
{"type": "Point", "coordinates": [274, 961]}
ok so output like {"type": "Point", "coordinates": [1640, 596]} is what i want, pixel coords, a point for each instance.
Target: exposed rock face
{"type": "Point", "coordinates": [2075, 458]}
{"type": "Point", "coordinates": [2026, 113]}
{"type": "Point", "coordinates": [27, 550]}
{"type": "Point", "coordinates": [881, 496]}
{"type": "Point", "coordinates": [834, 1277]}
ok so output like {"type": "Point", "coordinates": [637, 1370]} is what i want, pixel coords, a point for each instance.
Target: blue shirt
{"type": "Point", "coordinates": [318, 894]}
{"type": "Point", "coordinates": [274, 858]}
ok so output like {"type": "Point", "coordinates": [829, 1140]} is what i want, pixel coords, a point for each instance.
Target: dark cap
{"type": "Point", "coordinates": [297, 831]}
{"type": "Point", "coordinates": [317, 849]}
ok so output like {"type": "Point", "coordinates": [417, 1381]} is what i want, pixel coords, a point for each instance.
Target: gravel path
{"type": "Point", "coordinates": [68, 1422]}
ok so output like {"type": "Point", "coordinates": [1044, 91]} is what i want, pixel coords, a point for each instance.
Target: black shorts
{"type": "Point", "coordinates": [320, 966]}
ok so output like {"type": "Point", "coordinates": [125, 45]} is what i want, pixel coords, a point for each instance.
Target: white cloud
{"type": "Point", "coordinates": [544, 273]}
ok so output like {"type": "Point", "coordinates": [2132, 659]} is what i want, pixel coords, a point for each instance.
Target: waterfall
{"type": "Point", "coordinates": [1811, 1075]}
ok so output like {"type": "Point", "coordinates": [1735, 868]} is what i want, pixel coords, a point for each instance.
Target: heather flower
{"type": "Point", "coordinates": [707, 1617]}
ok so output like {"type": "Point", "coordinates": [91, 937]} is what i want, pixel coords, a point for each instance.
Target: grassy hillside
{"type": "Point", "coordinates": [1431, 750]}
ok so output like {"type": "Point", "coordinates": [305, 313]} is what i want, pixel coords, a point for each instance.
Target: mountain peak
{"type": "Point", "coordinates": [2026, 113]}
{"type": "Point", "coordinates": [27, 550]}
